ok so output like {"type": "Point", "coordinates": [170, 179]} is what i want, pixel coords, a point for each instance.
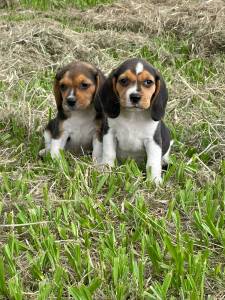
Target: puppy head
{"type": "Point", "coordinates": [76, 86]}
{"type": "Point", "coordinates": [135, 85]}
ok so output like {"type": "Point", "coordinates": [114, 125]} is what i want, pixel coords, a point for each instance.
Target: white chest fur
{"type": "Point", "coordinates": [131, 129]}
{"type": "Point", "coordinates": [80, 128]}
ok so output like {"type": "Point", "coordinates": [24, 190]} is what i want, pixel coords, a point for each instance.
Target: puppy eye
{"type": "Point", "coordinates": [124, 81]}
{"type": "Point", "coordinates": [84, 86]}
{"type": "Point", "coordinates": [147, 82]}
{"type": "Point", "coordinates": [63, 87]}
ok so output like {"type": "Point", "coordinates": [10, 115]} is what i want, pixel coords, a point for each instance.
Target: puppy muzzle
{"type": "Point", "coordinates": [135, 98]}
{"type": "Point", "coordinates": [71, 101]}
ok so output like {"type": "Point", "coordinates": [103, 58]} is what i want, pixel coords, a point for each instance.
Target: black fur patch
{"type": "Point", "coordinates": [162, 137]}
{"type": "Point", "coordinates": [54, 124]}
{"type": "Point", "coordinates": [110, 101]}
{"type": "Point", "coordinates": [158, 106]}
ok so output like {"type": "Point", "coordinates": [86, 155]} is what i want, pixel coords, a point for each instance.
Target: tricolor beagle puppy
{"type": "Point", "coordinates": [77, 125]}
{"type": "Point", "coordinates": [134, 98]}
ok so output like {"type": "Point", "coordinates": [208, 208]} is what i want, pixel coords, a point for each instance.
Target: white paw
{"type": "Point", "coordinates": [109, 163]}
{"type": "Point", "coordinates": [96, 159]}
{"type": "Point", "coordinates": [157, 180]}
{"type": "Point", "coordinates": [105, 166]}
{"type": "Point", "coordinates": [42, 152]}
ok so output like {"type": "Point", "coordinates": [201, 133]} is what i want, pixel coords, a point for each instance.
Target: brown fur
{"type": "Point", "coordinates": [145, 92]}
{"type": "Point", "coordinates": [153, 95]}
{"type": "Point", "coordinates": [73, 75]}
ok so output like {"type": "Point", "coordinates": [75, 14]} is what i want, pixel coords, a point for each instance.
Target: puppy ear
{"type": "Point", "coordinates": [159, 99]}
{"type": "Point", "coordinates": [100, 79]}
{"type": "Point", "coordinates": [57, 94]}
{"type": "Point", "coordinates": [56, 88]}
{"type": "Point", "coordinates": [109, 97]}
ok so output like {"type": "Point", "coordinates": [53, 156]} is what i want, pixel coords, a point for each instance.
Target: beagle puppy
{"type": "Point", "coordinates": [134, 98]}
{"type": "Point", "coordinates": [77, 126]}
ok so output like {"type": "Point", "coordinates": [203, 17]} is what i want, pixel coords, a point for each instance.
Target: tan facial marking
{"type": "Point", "coordinates": [122, 90]}
{"type": "Point", "coordinates": [145, 92]}
{"type": "Point", "coordinates": [83, 96]}
{"type": "Point", "coordinates": [145, 75]}
{"type": "Point", "coordinates": [128, 74]}
{"type": "Point", "coordinates": [66, 80]}
{"type": "Point", "coordinates": [79, 78]}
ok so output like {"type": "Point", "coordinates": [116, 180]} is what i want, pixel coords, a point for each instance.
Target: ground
{"type": "Point", "coordinates": [69, 231]}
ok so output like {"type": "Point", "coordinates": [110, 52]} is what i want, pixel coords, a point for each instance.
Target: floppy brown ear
{"type": "Point", "coordinates": [159, 99]}
{"type": "Point", "coordinates": [100, 79]}
{"type": "Point", "coordinates": [109, 97]}
{"type": "Point", "coordinates": [57, 94]}
{"type": "Point", "coordinates": [56, 88]}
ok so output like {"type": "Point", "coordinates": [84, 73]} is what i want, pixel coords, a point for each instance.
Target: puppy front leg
{"type": "Point", "coordinates": [109, 149]}
{"type": "Point", "coordinates": [58, 144]}
{"type": "Point", "coordinates": [97, 150]}
{"type": "Point", "coordinates": [48, 140]}
{"type": "Point", "coordinates": [154, 157]}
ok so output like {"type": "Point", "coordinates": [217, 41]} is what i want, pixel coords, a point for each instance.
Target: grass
{"type": "Point", "coordinates": [69, 231]}
{"type": "Point", "coordinates": [48, 4]}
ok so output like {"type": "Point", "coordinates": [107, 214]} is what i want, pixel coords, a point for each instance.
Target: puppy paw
{"type": "Point", "coordinates": [157, 180]}
{"type": "Point", "coordinates": [104, 167]}
{"type": "Point", "coordinates": [96, 160]}
{"type": "Point", "coordinates": [42, 152]}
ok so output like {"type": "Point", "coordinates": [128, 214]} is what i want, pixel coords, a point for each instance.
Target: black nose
{"type": "Point", "coordinates": [135, 97]}
{"type": "Point", "coordinates": [71, 101]}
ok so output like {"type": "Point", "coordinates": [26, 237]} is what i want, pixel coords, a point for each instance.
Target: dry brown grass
{"type": "Point", "coordinates": [32, 46]}
{"type": "Point", "coordinates": [39, 43]}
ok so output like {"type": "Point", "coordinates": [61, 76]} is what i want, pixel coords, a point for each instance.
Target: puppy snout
{"type": "Point", "coordinates": [135, 97]}
{"type": "Point", "coordinates": [71, 101]}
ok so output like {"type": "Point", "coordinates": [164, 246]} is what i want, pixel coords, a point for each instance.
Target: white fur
{"type": "Point", "coordinates": [109, 148]}
{"type": "Point", "coordinates": [165, 158]}
{"type": "Point", "coordinates": [131, 135]}
{"type": "Point", "coordinates": [71, 94]}
{"type": "Point", "coordinates": [154, 158]}
{"type": "Point", "coordinates": [79, 128]}
{"type": "Point", "coordinates": [48, 139]}
{"type": "Point", "coordinates": [97, 150]}
{"type": "Point", "coordinates": [139, 68]}
{"type": "Point", "coordinates": [58, 144]}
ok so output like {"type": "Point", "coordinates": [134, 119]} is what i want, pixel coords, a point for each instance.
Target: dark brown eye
{"type": "Point", "coordinates": [63, 87]}
{"type": "Point", "coordinates": [84, 85]}
{"type": "Point", "coordinates": [147, 82]}
{"type": "Point", "coordinates": [124, 81]}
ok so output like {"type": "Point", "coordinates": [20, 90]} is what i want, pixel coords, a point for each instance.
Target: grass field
{"type": "Point", "coordinates": [68, 231]}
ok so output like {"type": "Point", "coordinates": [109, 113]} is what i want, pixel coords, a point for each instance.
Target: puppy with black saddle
{"type": "Point", "coordinates": [134, 98]}
{"type": "Point", "coordinates": [77, 126]}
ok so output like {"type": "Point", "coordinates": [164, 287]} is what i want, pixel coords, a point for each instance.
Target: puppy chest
{"type": "Point", "coordinates": [82, 135]}
{"type": "Point", "coordinates": [129, 139]}
{"type": "Point", "coordinates": [131, 131]}
{"type": "Point", "coordinates": [81, 131]}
